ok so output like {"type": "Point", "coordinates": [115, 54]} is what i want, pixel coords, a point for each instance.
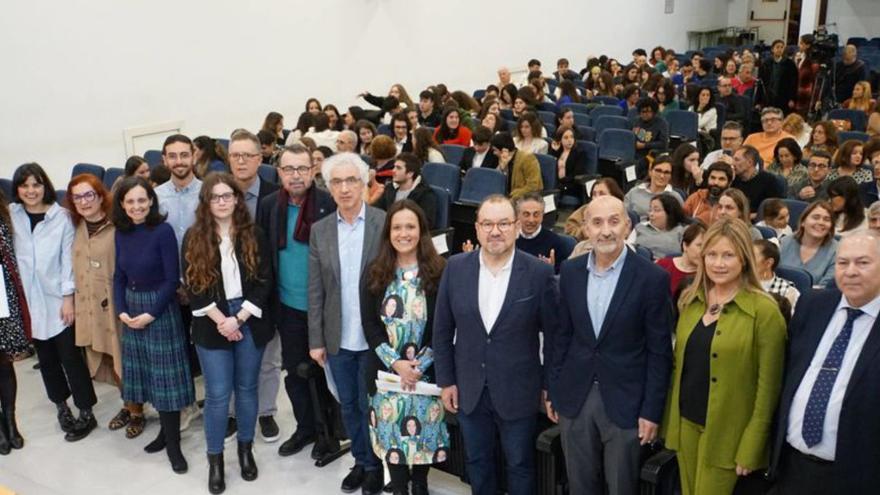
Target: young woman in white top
{"type": "Point", "coordinates": [528, 134]}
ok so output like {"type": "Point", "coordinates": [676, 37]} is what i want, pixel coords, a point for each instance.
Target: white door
{"type": "Point", "coordinates": [771, 17]}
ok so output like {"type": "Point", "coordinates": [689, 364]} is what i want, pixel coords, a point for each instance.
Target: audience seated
{"type": "Point", "coordinates": [757, 185]}
{"type": "Point", "coordinates": [848, 162]}
{"type": "Point", "coordinates": [823, 138]}
{"type": "Point", "coordinates": [812, 247]}
{"type": "Point", "coordinates": [520, 167]}
{"type": "Point", "coordinates": [702, 203]}
{"type": "Point", "coordinates": [813, 186]}
{"type": "Point", "coordinates": [775, 215]}
{"type": "Point", "coordinates": [407, 183]}
{"type": "Point", "coordinates": [849, 212]}
{"type": "Point", "coordinates": [661, 232]}
{"type": "Point", "coordinates": [638, 199]}
{"type": "Point", "coordinates": [480, 153]}
{"type": "Point", "coordinates": [765, 142]}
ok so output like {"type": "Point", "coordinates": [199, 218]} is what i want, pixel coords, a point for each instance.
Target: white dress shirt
{"type": "Point", "coordinates": [478, 159]}
{"type": "Point", "coordinates": [861, 329]}
{"type": "Point", "coordinates": [492, 291]}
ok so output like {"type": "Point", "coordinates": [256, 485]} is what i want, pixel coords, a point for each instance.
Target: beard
{"type": "Point", "coordinates": [715, 192]}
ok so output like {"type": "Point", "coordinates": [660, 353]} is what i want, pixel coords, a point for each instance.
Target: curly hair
{"type": "Point", "coordinates": [203, 242]}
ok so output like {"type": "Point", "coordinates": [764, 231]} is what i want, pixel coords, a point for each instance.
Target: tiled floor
{"type": "Point", "coordinates": [106, 463]}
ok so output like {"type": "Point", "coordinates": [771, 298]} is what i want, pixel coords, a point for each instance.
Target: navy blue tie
{"type": "Point", "coordinates": [817, 404]}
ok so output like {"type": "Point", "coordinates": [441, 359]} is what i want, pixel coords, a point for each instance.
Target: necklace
{"type": "Point", "coordinates": [716, 308]}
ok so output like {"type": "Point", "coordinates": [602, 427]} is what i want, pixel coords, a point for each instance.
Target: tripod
{"type": "Point", "coordinates": [822, 100]}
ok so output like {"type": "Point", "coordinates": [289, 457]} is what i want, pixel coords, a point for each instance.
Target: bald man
{"type": "Point", "coordinates": [828, 427]}
{"type": "Point", "coordinates": [611, 357]}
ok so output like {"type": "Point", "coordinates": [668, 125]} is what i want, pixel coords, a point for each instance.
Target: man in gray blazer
{"type": "Point", "coordinates": [340, 248]}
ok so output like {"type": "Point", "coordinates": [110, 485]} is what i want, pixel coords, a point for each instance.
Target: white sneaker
{"type": "Point", "coordinates": [188, 414]}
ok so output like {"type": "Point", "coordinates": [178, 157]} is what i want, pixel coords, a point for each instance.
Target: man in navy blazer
{"type": "Point", "coordinates": [612, 355]}
{"type": "Point", "coordinates": [828, 426]}
{"type": "Point", "coordinates": [491, 306]}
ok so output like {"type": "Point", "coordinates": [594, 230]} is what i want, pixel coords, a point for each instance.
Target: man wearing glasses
{"type": "Point", "coordinates": [491, 306]}
{"type": "Point", "coordinates": [736, 106]}
{"type": "Point", "coordinates": [731, 140]}
{"type": "Point", "coordinates": [813, 187]}
{"type": "Point", "coordinates": [245, 157]}
{"type": "Point", "coordinates": [340, 247]}
{"type": "Point", "coordinates": [765, 142]}
{"type": "Point", "coordinates": [286, 216]}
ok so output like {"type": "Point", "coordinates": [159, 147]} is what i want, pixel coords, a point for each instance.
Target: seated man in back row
{"type": "Point", "coordinates": [547, 245]}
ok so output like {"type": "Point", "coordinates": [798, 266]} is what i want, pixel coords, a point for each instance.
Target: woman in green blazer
{"type": "Point", "coordinates": [727, 375]}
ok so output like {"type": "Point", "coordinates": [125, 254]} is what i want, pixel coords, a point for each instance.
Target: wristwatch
{"type": "Point", "coordinates": [239, 321]}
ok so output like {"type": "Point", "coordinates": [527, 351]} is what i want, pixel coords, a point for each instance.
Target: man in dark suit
{"type": "Point", "coordinates": [341, 246]}
{"type": "Point", "coordinates": [612, 355]}
{"type": "Point", "coordinates": [244, 161]}
{"type": "Point", "coordinates": [480, 154]}
{"type": "Point", "coordinates": [408, 183]}
{"type": "Point", "coordinates": [828, 426]}
{"type": "Point", "coordinates": [287, 216]}
{"type": "Point", "coordinates": [491, 306]}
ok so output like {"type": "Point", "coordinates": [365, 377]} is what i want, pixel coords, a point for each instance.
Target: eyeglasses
{"type": "Point", "coordinates": [86, 197]}
{"type": "Point", "coordinates": [661, 172]}
{"type": "Point", "coordinates": [769, 119]}
{"type": "Point", "coordinates": [243, 156]}
{"type": "Point", "coordinates": [348, 181]}
{"type": "Point", "coordinates": [222, 198]}
{"type": "Point", "coordinates": [291, 170]}
{"type": "Point", "coordinates": [503, 226]}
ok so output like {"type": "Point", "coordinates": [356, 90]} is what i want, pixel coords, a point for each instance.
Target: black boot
{"type": "Point", "coordinates": [84, 425]}
{"type": "Point", "coordinates": [157, 445]}
{"type": "Point", "coordinates": [246, 461]}
{"type": "Point", "coordinates": [171, 426]}
{"type": "Point", "coordinates": [15, 439]}
{"type": "Point", "coordinates": [65, 417]}
{"type": "Point", "coordinates": [216, 479]}
{"type": "Point", "coordinates": [5, 447]}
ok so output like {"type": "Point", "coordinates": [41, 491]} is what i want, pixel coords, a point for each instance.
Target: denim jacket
{"type": "Point", "coordinates": [45, 261]}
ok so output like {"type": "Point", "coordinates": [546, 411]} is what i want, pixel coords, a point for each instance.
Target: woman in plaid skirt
{"type": "Point", "coordinates": [155, 364]}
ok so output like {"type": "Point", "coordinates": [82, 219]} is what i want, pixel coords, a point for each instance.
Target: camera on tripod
{"type": "Point", "coordinates": [824, 47]}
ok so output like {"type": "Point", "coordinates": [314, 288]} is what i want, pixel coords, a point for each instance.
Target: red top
{"type": "Point", "coordinates": [462, 139]}
{"type": "Point", "coordinates": [675, 275]}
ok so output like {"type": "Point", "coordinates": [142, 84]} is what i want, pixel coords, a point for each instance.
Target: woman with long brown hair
{"type": "Point", "coordinates": [15, 330]}
{"type": "Point", "coordinates": [406, 429]}
{"type": "Point", "coordinates": [94, 259]}
{"type": "Point", "coordinates": [228, 278]}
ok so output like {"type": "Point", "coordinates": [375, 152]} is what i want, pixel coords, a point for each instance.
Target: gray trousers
{"type": "Point", "coordinates": [270, 380]}
{"type": "Point", "coordinates": [598, 452]}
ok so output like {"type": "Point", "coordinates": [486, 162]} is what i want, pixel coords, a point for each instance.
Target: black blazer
{"type": "Point", "coordinates": [788, 84]}
{"type": "Point", "coordinates": [506, 360]}
{"type": "Point", "coordinates": [422, 194]}
{"type": "Point", "coordinates": [376, 333]}
{"type": "Point", "coordinates": [575, 164]}
{"type": "Point", "coordinates": [632, 356]}
{"type": "Point", "coordinates": [266, 188]}
{"type": "Point", "coordinates": [204, 330]}
{"type": "Point", "coordinates": [268, 221]}
{"type": "Point", "coordinates": [467, 160]}
{"type": "Point", "coordinates": [857, 454]}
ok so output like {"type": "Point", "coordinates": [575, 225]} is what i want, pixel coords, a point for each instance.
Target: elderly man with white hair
{"type": "Point", "coordinates": [340, 246]}
{"type": "Point", "coordinates": [827, 425]}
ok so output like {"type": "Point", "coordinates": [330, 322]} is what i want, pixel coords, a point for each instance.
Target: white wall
{"type": "Point", "coordinates": [854, 18]}
{"type": "Point", "coordinates": [76, 74]}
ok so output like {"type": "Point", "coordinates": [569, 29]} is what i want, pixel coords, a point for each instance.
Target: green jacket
{"type": "Point", "coordinates": [526, 176]}
{"type": "Point", "coordinates": [748, 357]}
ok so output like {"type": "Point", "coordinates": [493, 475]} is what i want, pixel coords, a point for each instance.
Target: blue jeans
{"type": "Point", "coordinates": [225, 369]}
{"type": "Point", "coordinates": [480, 429]}
{"type": "Point", "coordinates": [348, 368]}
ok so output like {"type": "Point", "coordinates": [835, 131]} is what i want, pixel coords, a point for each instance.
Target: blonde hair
{"type": "Point", "coordinates": [737, 233]}
{"type": "Point", "coordinates": [794, 122]}
{"type": "Point", "coordinates": [863, 103]}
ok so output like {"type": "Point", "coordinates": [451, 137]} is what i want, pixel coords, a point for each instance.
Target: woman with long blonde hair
{"type": "Point", "coordinates": [729, 356]}
{"type": "Point", "coordinates": [228, 279]}
{"type": "Point", "coordinates": [861, 98]}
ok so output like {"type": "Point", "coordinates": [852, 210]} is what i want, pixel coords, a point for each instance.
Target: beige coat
{"type": "Point", "coordinates": [97, 327]}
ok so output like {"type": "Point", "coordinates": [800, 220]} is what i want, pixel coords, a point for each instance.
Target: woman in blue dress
{"type": "Point", "coordinates": [407, 430]}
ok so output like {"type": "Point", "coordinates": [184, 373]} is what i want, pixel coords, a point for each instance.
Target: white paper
{"type": "Point", "coordinates": [589, 186]}
{"type": "Point", "coordinates": [631, 173]}
{"type": "Point", "coordinates": [549, 203]}
{"type": "Point", "coordinates": [4, 303]}
{"type": "Point", "coordinates": [390, 382]}
{"type": "Point", "coordinates": [440, 244]}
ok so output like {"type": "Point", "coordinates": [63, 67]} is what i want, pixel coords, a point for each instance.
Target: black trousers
{"type": "Point", "coordinates": [64, 370]}
{"type": "Point", "coordinates": [293, 328]}
{"type": "Point", "coordinates": [801, 475]}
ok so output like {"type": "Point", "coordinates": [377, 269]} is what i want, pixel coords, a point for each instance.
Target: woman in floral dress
{"type": "Point", "coordinates": [407, 430]}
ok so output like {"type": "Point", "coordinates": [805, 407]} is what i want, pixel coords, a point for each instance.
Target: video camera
{"type": "Point", "coordinates": [824, 46]}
